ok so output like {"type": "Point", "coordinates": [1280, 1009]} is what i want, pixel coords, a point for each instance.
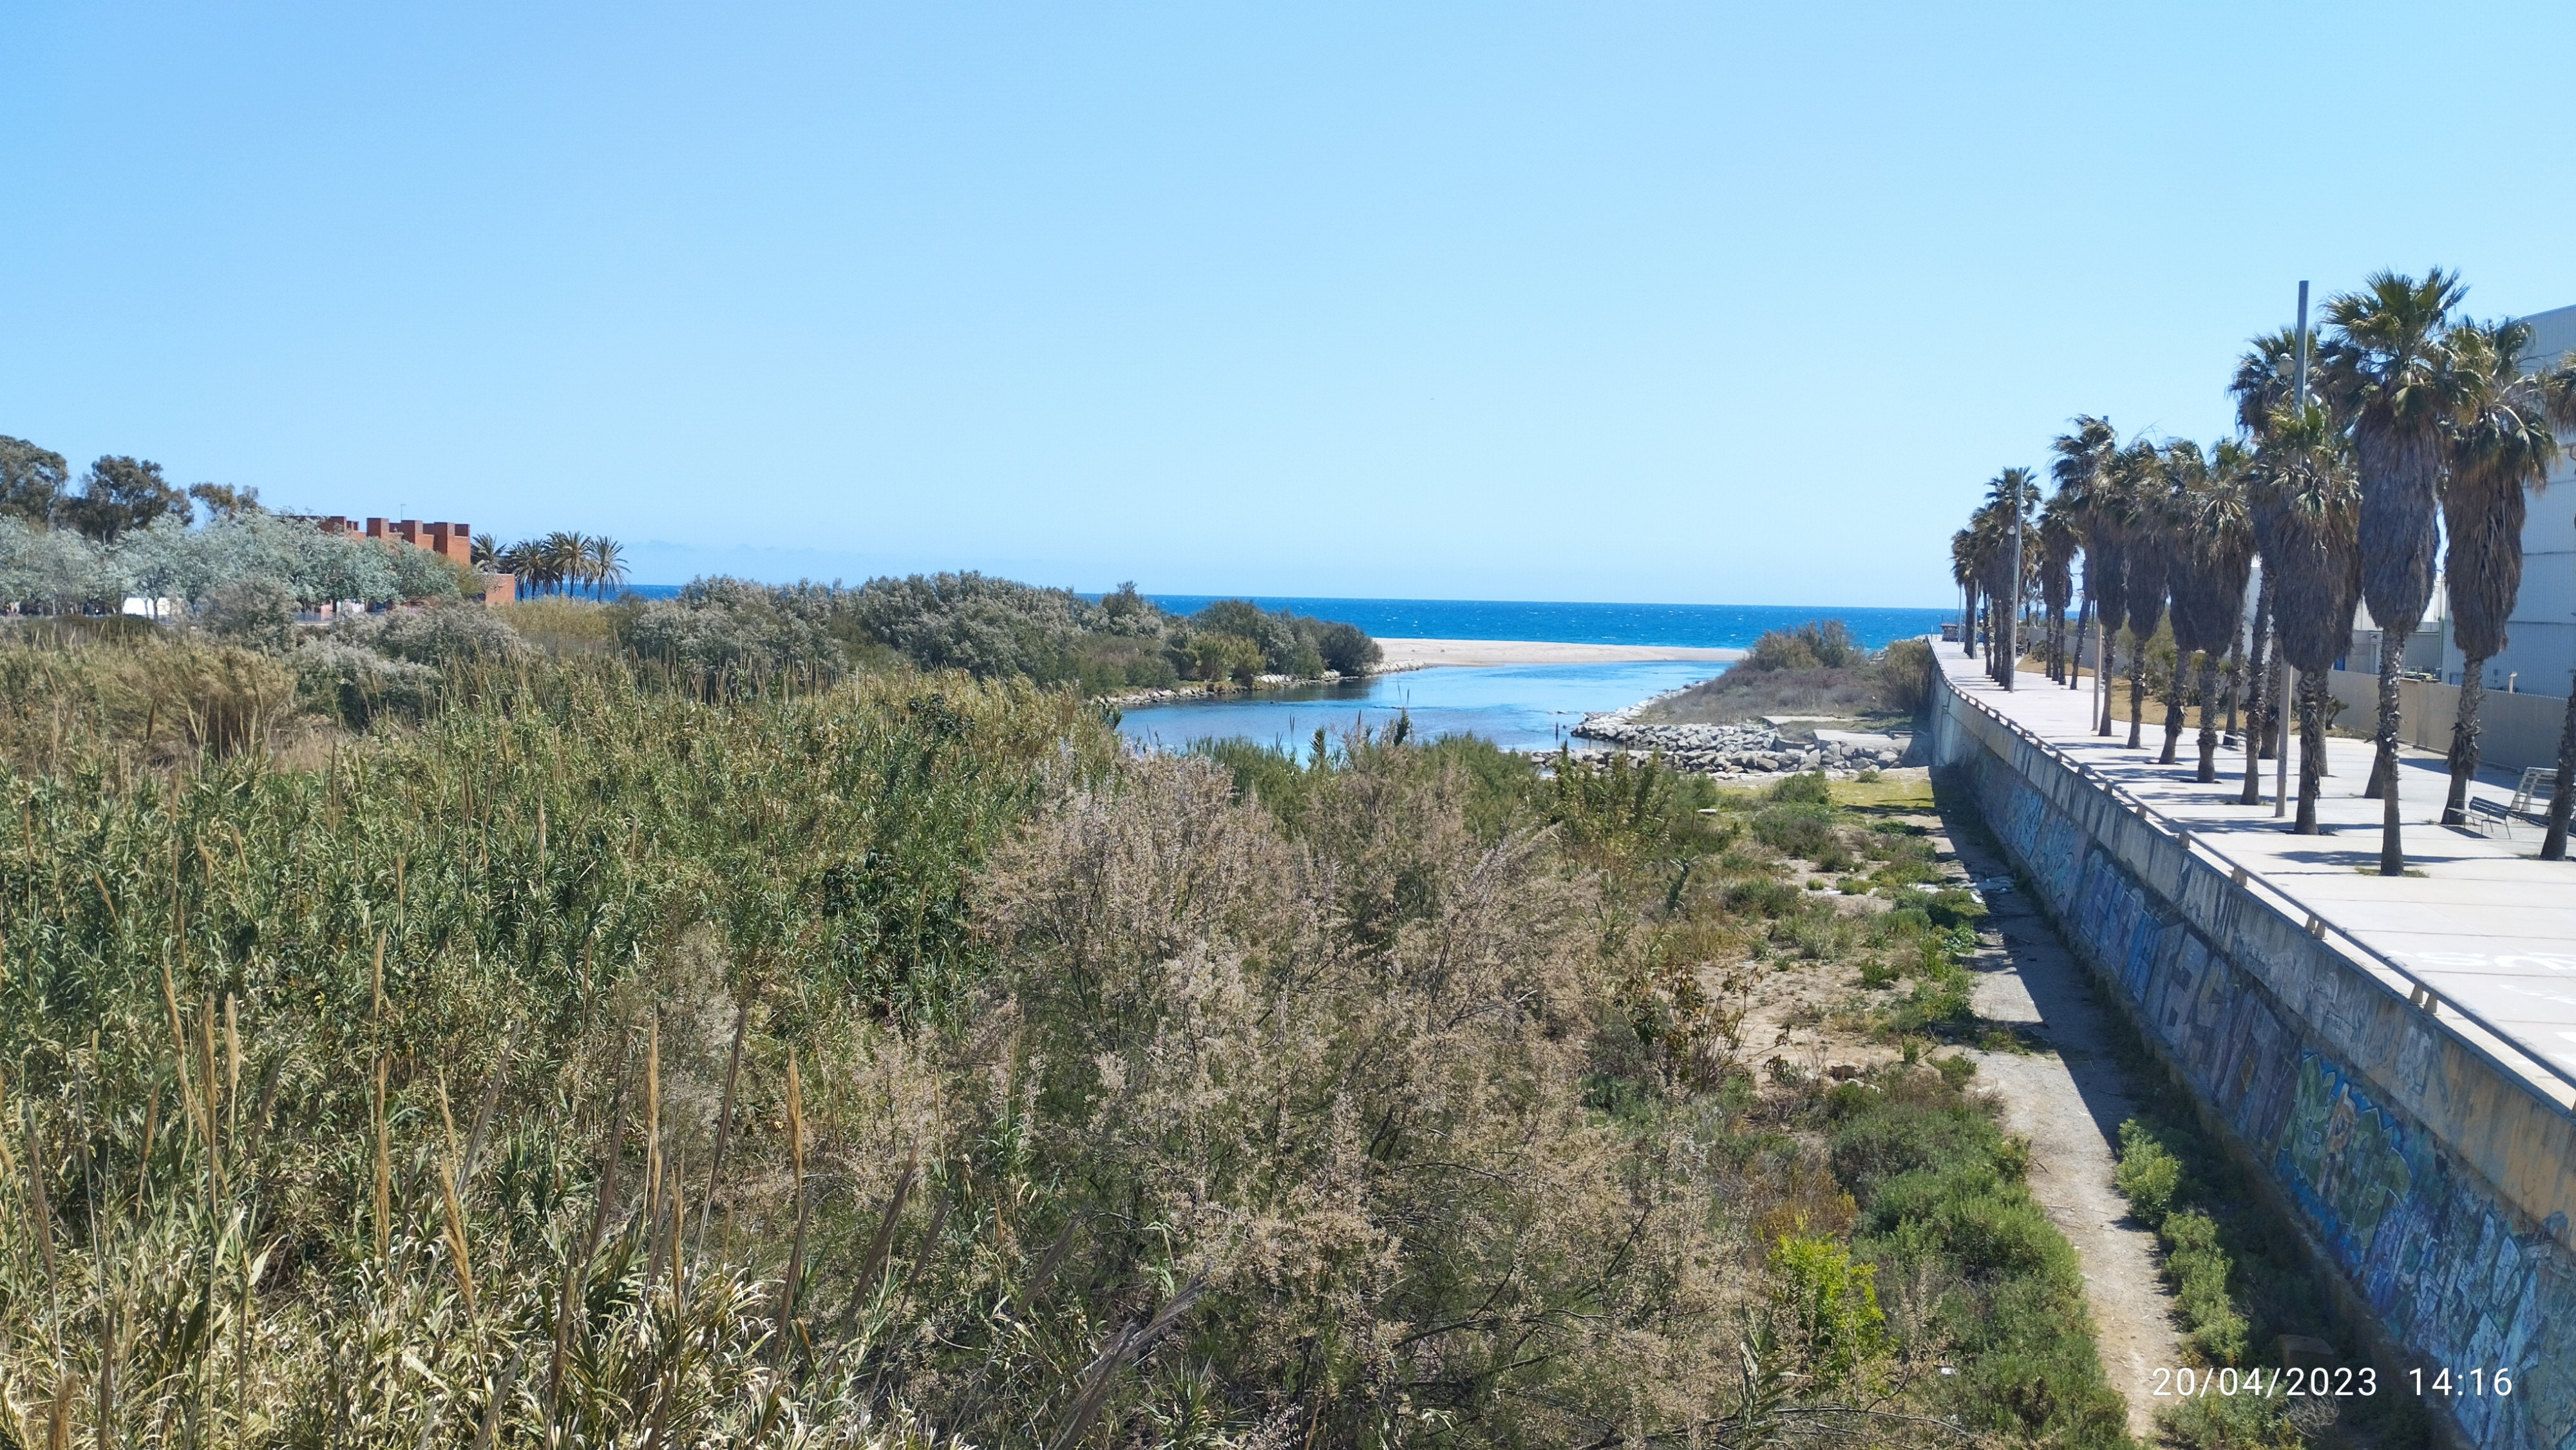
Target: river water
{"type": "Point", "coordinates": [1519, 707]}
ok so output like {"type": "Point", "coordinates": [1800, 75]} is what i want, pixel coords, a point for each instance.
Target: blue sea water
{"type": "Point", "coordinates": [1707, 626]}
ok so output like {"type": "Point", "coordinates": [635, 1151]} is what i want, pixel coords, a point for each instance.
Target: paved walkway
{"type": "Point", "coordinates": [2488, 926]}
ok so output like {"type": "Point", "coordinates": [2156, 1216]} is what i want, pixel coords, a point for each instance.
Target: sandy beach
{"type": "Point", "coordinates": [1415, 654]}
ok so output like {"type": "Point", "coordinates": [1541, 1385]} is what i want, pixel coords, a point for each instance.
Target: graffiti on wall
{"type": "Point", "coordinates": [2440, 1262]}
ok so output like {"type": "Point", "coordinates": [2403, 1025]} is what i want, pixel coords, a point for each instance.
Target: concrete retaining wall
{"type": "Point", "coordinates": [2432, 1177]}
{"type": "Point", "coordinates": [2514, 731]}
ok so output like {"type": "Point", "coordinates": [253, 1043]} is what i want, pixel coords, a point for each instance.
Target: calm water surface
{"type": "Point", "coordinates": [1518, 707]}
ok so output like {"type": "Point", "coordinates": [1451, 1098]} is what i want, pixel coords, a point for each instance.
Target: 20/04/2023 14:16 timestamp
{"type": "Point", "coordinates": [2338, 1382]}
{"type": "Point", "coordinates": [2467, 1383]}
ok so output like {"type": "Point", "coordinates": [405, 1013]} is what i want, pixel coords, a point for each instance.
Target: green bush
{"type": "Point", "coordinates": [256, 612]}
{"type": "Point", "coordinates": [1809, 788]}
{"type": "Point", "coordinates": [1943, 1205]}
{"type": "Point", "coordinates": [1815, 645]}
{"type": "Point", "coordinates": [2147, 1175]}
{"type": "Point", "coordinates": [1804, 831]}
{"type": "Point", "coordinates": [1906, 671]}
{"type": "Point", "coordinates": [441, 634]}
{"type": "Point", "coordinates": [354, 686]}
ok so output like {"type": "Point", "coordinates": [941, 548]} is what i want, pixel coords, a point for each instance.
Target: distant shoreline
{"type": "Point", "coordinates": [1417, 654]}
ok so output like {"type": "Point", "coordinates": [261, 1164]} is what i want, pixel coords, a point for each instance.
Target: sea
{"type": "Point", "coordinates": [1518, 707]}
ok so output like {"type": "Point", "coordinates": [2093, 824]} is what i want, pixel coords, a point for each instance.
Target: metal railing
{"type": "Point", "coordinates": [2424, 994]}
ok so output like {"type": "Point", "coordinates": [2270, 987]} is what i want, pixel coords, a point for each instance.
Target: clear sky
{"type": "Point", "coordinates": [1623, 302]}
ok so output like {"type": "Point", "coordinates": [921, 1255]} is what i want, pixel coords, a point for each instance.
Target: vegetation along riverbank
{"type": "Point", "coordinates": [589, 1046]}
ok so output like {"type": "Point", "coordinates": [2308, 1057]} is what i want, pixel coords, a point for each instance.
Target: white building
{"type": "Point", "coordinates": [2540, 647]}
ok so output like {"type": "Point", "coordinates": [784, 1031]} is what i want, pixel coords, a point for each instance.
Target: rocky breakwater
{"type": "Point", "coordinates": [1749, 749]}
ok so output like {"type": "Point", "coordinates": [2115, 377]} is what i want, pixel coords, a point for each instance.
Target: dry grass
{"type": "Point", "coordinates": [612, 1059]}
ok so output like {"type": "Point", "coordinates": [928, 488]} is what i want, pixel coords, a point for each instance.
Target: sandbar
{"type": "Point", "coordinates": [1415, 654]}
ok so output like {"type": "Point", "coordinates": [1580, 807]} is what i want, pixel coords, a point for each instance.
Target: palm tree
{"type": "Point", "coordinates": [2082, 456]}
{"type": "Point", "coordinates": [2054, 560]}
{"type": "Point", "coordinates": [2306, 512]}
{"type": "Point", "coordinates": [2500, 445]}
{"type": "Point", "coordinates": [560, 556]}
{"type": "Point", "coordinates": [606, 562]}
{"type": "Point", "coordinates": [487, 551]}
{"type": "Point", "coordinates": [1963, 568]}
{"type": "Point", "coordinates": [2181, 473]}
{"type": "Point", "coordinates": [2220, 539]}
{"type": "Point", "coordinates": [2392, 376]}
{"type": "Point", "coordinates": [2004, 532]}
{"type": "Point", "coordinates": [2133, 474]}
{"type": "Point", "coordinates": [2265, 377]}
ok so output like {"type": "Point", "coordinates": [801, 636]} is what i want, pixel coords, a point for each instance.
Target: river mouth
{"type": "Point", "coordinates": [1517, 707]}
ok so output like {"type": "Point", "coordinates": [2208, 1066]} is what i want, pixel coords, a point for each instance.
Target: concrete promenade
{"type": "Point", "coordinates": [2487, 926]}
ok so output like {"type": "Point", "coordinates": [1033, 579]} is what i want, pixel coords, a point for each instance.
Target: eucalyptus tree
{"type": "Point", "coordinates": [2218, 539]}
{"type": "Point", "coordinates": [2082, 456]}
{"type": "Point", "coordinates": [31, 481]}
{"type": "Point", "coordinates": [2391, 374]}
{"type": "Point", "coordinates": [2306, 513]}
{"type": "Point", "coordinates": [120, 493]}
{"type": "Point", "coordinates": [2500, 445]}
{"type": "Point", "coordinates": [2134, 475]}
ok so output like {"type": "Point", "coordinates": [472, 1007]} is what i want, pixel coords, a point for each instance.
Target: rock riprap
{"type": "Point", "coordinates": [1747, 749]}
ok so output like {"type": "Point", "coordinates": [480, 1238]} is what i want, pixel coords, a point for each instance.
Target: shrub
{"type": "Point", "coordinates": [1810, 788]}
{"type": "Point", "coordinates": [2147, 1176]}
{"type": "Point", "coordinates": [1826, 1305]}
{"type": "Point", "coordinates": [256, 612]}
{"type": "Point", "coordinates": [1906, 671]}
{"type": "Point", "coordinates": [444, 634]}
{"type": "Point", "coordinates": [354, 685]}
{"type": "Point", "coordinates": [1943, 1206]}
{"type": "Point", "coordinates": [1803, 831]}
{"type": "Point", "coordinates": [1825, 645]}
{"type": "Point", "coordinates": [1346, 650]}
{"type": "Point", "coordinates": [563, 625]}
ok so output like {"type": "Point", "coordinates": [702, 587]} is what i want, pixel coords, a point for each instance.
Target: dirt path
{"type": "Point", "coordinates": [2069, 1101]}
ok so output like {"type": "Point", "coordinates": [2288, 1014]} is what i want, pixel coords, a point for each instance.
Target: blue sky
{"type": "Point", "coordinates": [1638, 302]}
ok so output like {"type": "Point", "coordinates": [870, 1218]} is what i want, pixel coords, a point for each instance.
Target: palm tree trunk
{"type": "Point", "coordinates": [2312, 748]}
{"type": "Point", "coordinates": [2257, 700]}
{"type": "Point", "coordinates": [2391, 655]}
{"type": "Point", "coordinates": [2553, 847]}
{"type": "Point", "coordinates": [2075, 661]}
{"type": "Point", "coordinates": [2258, 696]}
{"type": "Point", "coordinates": [2235, 684]}
{"type": "Point", "coordinates": [2110, 666]}
{"type": "Point", "coordinates": [1968, 624]}
{"type": "Point", "coordinates": [2464, 741]}
{"type": "Point", "coordinates": [2208, 717]}
{"type": "Point", "coordinates": [2173, 706]}
{"type": "Point", "coordinates": [2392, 845]}
{"type": "Point", "coordinates": [2257, 730]}
{"type": "Point", "coordinates": [2137, 691]}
